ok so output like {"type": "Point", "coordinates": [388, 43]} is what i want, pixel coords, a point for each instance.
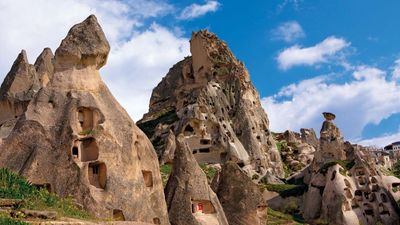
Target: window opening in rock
{"type": "Point", "coordinates": [75, 152]}
{"type": "Point", "coordinates": [188, 130]}
{"type": "Point", "coordinates": [204, 150]}
{"type": "Point", "coordinates": [202, 206]}
{"type": "Point", "coordinates": [118, 215]}
{"type": "Point", "coordinates": [333, 175]}
{"type": "Point", "coordinates": [205, 141]}
{"type": "Point", "coordinates": [156, 220]}
{"type": "Point", "coordinates": [148, 178]}
{"type": "Point", "coordinates": [97, 174]}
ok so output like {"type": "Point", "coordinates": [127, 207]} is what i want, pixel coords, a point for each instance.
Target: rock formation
{"type": "Point", "coordinates": [240, 197]}
{"type": "Point", "coordinates": [189, 198]}
{"type": "Point", "coordinates": [72, 135]}
{"type": "Point", "coordinates": [297, 150]}
{"type": "Point", "coordinates": [345, 185]}
{"type": "Point", "coordinates": [19, 87]}
{"type": "Point", "coordinates": [209, 98]}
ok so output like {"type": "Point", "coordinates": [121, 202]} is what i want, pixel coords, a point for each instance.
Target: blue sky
{"type": "Point", "coordinates": [304, 57]}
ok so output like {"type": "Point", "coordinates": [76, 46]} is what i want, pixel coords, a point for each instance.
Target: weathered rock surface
{"type": "Point", "coordinates": [297, 149]}
{"type": "Point", "coordinates": [345, 186]}
{"type": "Point", "coordinates": [240, 197]}
{"type": "Point", "coordinates": [189, 198]}
{"type": "Point", "coordinates": [76, 139]}
{"type": "Point", "coordinates": [210, 99]}
{"type": "Point", "coordinates": [19, 87]}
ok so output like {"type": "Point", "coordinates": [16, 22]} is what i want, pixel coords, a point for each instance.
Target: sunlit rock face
{"type": "Point", "coordinates": [73, 137]}
{"type": "Point", "coordinates": [189, 198]}
{"type": "Point", "coordinates": [209, 98]}
{"type": "Point", "coordinates": [345, 184]}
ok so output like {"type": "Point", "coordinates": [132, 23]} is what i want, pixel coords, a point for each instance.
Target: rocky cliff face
{"type": "Point", "coordinates": [74, 137]}
{"type": "Point", "coordinates": [209, 98]}
{"type": "Point", "coordinates": [297, 149]}
{"type": "Point", "coordinates": [346, 186]}
{"type": "Point", "coordinates": [189, 198]}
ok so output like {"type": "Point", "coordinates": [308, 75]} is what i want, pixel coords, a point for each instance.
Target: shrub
{"type": "Point", "coordinates": [17, 187]}
{"type": "Point", "coordinates": [287, 190]}
{"type": "Point", "coordinates": [13, 186]}
{"type": "Point", "coordinates": [209, 171]}
{"type": "Point", "coordinates": [346, 165]}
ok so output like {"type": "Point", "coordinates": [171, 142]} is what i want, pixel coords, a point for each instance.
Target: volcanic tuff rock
{"type": "Point", "coordinates": [76, 139]}
{"type": "Point", "coordinates": [240, 197]}
{"type": "Point", "coordinates": [189, 198]}
{"type": "Point", "coordinates": [346, 186]}
{"type": "Point", "coordinates": [297, 150]}
{"type": "Point", "coordinates": [209, 98]}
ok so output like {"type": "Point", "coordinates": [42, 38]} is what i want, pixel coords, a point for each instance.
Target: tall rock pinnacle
{"type": "Point", "coordinates": [76, 139]}
{"type": "Point", "coordinates": [85, 45]}
{"type": "Point", "coordinates": [209, 98]}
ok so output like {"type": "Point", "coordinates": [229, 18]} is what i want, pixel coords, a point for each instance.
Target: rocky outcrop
{"type": "Point", "coordinates": [74, 137]}
{"type": "Point", "coordinates": [345, 185]}
{"type": "Point", "coordinates": [209, 98]}
{"type": "Point", "coordinates": [297, 150]}
{"type": "Point", "coordinates": [189, 198]}
{"type": "Point", "coordinates": [240, 197]}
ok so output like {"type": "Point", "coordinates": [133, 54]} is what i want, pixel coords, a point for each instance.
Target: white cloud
{"type": "Point", "coordinates": [196, 10]}
{"type": "Point", "coordinates": [367, 98]}
{"type": "Point", "coordinates": [138, 58]}
{"type": "Point", "coordinates": [137, 66]}
{"type": "Point", "coordinates": [320, 53]}
{"type": "Point", "coordinates": [381, 141]}
{"type": "Point", "coordinates": [288, 31]}
{"type": "Point", "coordinates": [396, 70]}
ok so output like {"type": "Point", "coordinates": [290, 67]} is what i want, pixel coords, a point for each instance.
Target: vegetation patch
{"type": "Point", "coordinates": [6, 220]}
{"type": "Point", "coordinates": [396, 169]}
{"type": "Point", "coordinates": [165, 170]}
{"type": "Point", "coordinates": [286, 190]}
{"type": "Point", "coordinates": [165, 117]}
{"type": "Point", "coordinates": [346, 165]}
{"type": "Point", "coordinates": [278, 218]}
{"type": "Point", "coordinates": [209, 171]}
{"type": "Point", "coordinates": [16, 187]}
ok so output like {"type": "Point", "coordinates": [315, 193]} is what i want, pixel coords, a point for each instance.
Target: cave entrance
{"type": "Point", "coordinates": [89, 150]}
{"type": "Point", "coordinates": [86, 118]}
{"type": "Point", "coordinates": [97, 174]}
{"type": "Point", "coordinates": [202, 206]}
{"type": "Point", "coordinates": [118, 215]}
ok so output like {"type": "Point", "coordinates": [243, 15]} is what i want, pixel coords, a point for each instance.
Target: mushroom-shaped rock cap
{"type": "Point", "coordinates": [85, 45]}
{"type": "Point", "coordinates": [329, 116]}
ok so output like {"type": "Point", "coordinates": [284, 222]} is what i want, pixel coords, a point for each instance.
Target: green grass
{"type": "Point", "coordinates": [209, 171]}
{"type": "Point", "coordinates": [279, 218]}
{"type": "Point", "coordinates": [13, 186]}
{"type": "Point", "coordinates": [281, 145]}
{"type": "Point", "coordinates": [5, 220]}
{"type": "Point", "coordinates": [346, 165]}
{"type": "Point", "coordinates": [165, 170]}
{"type": "Point", "coordinates": [16, 187]}
{"type": "Point", "coordinates": [286, 190]}
{"type": "Point", "coordinates": [396, 169]}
